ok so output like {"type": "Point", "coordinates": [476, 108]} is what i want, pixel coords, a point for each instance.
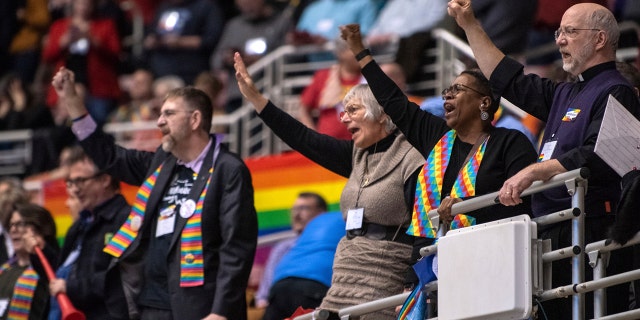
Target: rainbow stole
{"type": "Point", "coordinates": [429, 186]}
{"type": "Point", "coordinates": [23, 292]}
{"type": "Point", "coordinates": [128, 232]}
{"type": "Point", "coordinates": [191, 257]}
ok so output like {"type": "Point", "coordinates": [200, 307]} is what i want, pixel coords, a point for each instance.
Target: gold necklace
{"type": "Point", "coordinates": [366, 167]}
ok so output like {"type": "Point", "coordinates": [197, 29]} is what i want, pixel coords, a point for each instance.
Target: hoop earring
{"type": "Point", "coordinates": [484, 116]}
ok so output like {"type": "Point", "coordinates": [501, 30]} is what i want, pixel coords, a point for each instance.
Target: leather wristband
{"type": "Point", "coordinates": [363, 54]}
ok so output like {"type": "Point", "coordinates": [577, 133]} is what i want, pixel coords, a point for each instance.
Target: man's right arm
{"type": "Point", "coordinates": [64, 84]}
{"type": "Point", "coordinates": [486, 53]}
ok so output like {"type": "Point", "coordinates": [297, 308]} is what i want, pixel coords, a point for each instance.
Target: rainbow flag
{"type": "Point", "coordinates": [277, 180]}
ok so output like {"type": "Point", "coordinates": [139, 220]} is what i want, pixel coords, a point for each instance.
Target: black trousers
{"type": "Point", "coordinates": [288, 294]}
{"type": "Point", "coordinates": [620, 261]}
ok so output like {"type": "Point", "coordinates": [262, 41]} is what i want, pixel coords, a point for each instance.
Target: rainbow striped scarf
{"type": "Point", "coordinates": [23, 292]}
{"type": "Point", "coordinates": [129, 230]}
{"type": "Point", "coordinates": [191, 257]}
{"type": "Point", "coordinates": [429, 186]}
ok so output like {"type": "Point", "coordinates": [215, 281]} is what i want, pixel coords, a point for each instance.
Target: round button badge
{"type": "Point", "coordinates": [187, 209]}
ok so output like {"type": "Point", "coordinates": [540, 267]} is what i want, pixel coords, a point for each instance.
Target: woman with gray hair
{"type": "Point", "coordinates": [373, 258]}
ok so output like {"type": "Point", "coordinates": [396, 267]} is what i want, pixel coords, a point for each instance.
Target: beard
{"type": "Point", "coordinates": [579, 59]}
{"type": "Point", "coordinates": [168, 143]}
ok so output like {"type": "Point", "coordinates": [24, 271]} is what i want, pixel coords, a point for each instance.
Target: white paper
{"type": "Point", "coordinates": [618, 142]}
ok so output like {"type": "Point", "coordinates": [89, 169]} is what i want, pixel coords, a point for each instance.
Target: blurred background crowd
{"type": "Point", "coordinates": [127, 53]}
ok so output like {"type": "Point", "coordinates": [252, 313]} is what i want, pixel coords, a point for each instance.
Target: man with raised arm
{"type": "Point", "coordinates": [587, 39]}
{"type": "Point", "coordinates": [193, 224]}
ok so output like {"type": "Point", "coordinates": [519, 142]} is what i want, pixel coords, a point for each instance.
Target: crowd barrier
{"type": "Point", "coordinates": [532, 280]}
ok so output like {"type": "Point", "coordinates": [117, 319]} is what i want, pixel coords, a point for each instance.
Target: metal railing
{"type": "Point", "coordinates": [284, 73]}
{"type": "Point", "coordinates": [576, 182]}
{"type": "Point", "coordinates": [281, 75]}
{"type": "Point", "coordinates": [16, 148]}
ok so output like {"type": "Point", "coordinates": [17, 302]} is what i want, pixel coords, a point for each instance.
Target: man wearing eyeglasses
{"type": "Point", "coordinates": [306, 206]}
{"type": "Point", "coordinates": [193, 225]}
{"type": "Point", "coordinates": [587, 40]}
{"type": "Point", "coordinates": [93, 285]}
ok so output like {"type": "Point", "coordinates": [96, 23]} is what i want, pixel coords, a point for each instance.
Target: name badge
{"type": "Point", "coordinates": [571, 115]}
{"type": "Point", "coordinates": [4, 303]}
{"type": "Point", "coordinates": [354, 218]}
{"type": "Point", "coordinates": [166, 222]}
{"type": "Point", "coordinates": [547, 150]}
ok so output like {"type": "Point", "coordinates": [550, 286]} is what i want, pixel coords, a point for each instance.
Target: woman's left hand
{"type": "Point", "coordinates": [245, 83]}
{"type": "Point", "coordinates": [444, 210]}
{"type": "Point", "coordinates": [351, 34]}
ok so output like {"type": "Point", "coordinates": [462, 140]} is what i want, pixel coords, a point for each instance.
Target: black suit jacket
{"type": "Point", "coordinates": [229, 225]}
{"type": "Point", "coordinates": [93, 286]}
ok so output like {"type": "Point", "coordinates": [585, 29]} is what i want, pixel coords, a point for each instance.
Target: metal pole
{"type": "Point", "coordinates": [599, 272]}
{"type": "Point", "coordinates": [577, 239]}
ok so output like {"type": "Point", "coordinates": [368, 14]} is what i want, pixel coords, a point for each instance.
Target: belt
{"type": "Point", "coordinates": [376, 231]}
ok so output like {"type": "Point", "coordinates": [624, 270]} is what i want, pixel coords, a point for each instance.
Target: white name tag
{"type": "Point", "coordinates": [4, 303]}
{"type": "Point", "coordinates": [547, 150]}
{"type": "Point", "coordinates": [354, 218]}
{"type": "Point", "coordinates": [166, 222]}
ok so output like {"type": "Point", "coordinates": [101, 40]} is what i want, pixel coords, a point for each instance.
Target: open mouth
{"type": "Point", "coordinates": [448, 109]}
{"type": "Point", "coordinates": [353, 130]}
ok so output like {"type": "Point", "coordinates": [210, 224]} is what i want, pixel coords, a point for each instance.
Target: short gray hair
{"type": "Point", "coordinates": [373, 110]}
{"type": "Point", "coordinates": [604, 20]}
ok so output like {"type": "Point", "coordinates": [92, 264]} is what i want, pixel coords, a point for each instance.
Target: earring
{"type": "Point", "coordinates": [484, 115]}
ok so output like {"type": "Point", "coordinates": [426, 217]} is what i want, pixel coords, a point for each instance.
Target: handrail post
{"type": "Point", "coordinates": [599, 261]}
{"type": "Point", "coordinates": [577, 189]}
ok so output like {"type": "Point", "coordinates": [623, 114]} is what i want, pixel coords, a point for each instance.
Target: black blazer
{"type": "Point", "coordinates": [93, 285]}
{"type": "Point", "coordinates": [229, 225]}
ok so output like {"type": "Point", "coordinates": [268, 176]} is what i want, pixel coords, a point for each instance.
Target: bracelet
{"type": "Point", "coordinates": [363, 54]}
{"type": "Point", "coordinates": [80, 117]}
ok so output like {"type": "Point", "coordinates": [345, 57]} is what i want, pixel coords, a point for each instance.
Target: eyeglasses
{"type": "Point", "coordinates": [19, 225]}
{"type": "Point", "coordinates": [78, 182]}
{"type": "Point", "coordinates": [570, 32]}
{"type": "Point", "coordinates": [456, 88]}
{"type": "Point", "coordinates": [170, 113]}
{"type": "Point", "coordinates": [350, 110]}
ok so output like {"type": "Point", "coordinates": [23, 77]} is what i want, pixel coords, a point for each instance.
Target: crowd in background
{"type": "Point", "coordinates": [193, 42]}
{"type": "Point", "coordinates": [190, 42]}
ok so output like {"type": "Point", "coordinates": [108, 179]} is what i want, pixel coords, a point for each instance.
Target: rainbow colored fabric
{"type": "Point", "coordinates": [429, 186]}
{"type": "Point", "coordinates": [414, 307]}
{"type": "Point", "coordinates": [128, 232]}
{"type": "Point", "coordinates": [191, 258]}
{"type": "Point", "coordinates": [23, 292]}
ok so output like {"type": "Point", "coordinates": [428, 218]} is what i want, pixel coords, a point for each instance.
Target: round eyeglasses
{"type": "Point", "coordinates": [456, 88]}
